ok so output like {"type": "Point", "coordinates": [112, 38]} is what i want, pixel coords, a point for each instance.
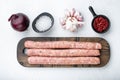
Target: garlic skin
{"type": "Point", "coordinates": [72, 20]}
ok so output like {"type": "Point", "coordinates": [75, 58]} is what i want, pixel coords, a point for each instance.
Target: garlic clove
{"type": "Point", "coordinates": [62, 21]}
{"type": "Point", "coordinates": [79, 18]}
{"type": "Point", "coordinates": [72, 12]}
{"type": "Point", "coordinates": [67, 13]}
{"type": "Point", "coordinates": [76, 14]}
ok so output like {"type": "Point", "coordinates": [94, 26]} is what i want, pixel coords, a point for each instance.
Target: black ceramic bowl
{"type": "Point", "coordinates": [104, 21]}
{"type": "Point", "coordinates": [40, 16]}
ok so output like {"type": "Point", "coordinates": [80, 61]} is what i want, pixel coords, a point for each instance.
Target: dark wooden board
{"type": "Point", "coordinates": [104, 57]}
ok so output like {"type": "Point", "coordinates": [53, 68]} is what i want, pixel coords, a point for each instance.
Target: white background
{"type": "Point", "coordinates": [10, 69]}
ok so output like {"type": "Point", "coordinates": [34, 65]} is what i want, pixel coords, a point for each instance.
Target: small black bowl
{"type": "Point", "coordinates": [97, 16]}
{"type": "Point", "coordinates": [38, 17]}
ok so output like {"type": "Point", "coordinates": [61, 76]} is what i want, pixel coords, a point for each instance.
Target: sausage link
{"type": "Point", "coordinates": [61, 52]}
{"type": "Point", "coordinates": [63, 61]}
{"type": "Point", "coordinates": [62, 44]}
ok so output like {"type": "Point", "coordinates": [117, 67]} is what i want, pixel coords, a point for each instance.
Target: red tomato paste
{"type": "Point", "coordinates": [100, 24]}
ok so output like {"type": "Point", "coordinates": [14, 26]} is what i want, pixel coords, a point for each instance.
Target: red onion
{"type": "Point", "coordinates": [19, 21]}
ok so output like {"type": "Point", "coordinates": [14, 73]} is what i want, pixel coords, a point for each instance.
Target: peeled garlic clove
{"type": "Point", "coordinates": [72, 12]}
{"type": "Point", "coordinates": [67, 13]}
{"type": "Point", "coordinates": [62, 21]}
{"type": "Point", "coordinates": [76, 14]}
{"type": "Point", "coordinates": [79, 18]}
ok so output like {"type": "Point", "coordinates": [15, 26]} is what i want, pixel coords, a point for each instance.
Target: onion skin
{"type": "Point", "coordinates": [19, 21]}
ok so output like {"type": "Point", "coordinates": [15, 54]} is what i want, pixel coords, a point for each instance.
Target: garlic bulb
{"type": "Point", "coordinates": [71, 20]}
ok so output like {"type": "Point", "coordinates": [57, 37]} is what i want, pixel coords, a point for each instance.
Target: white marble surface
{"type": "Point", "coordinates": [10, 69]}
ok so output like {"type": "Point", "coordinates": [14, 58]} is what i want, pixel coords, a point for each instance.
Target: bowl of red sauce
{"type": "Point", "coordinates": [100, 23]}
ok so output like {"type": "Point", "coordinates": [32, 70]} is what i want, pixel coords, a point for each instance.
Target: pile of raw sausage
{"type": "Point", "coordinates": [62, 52]}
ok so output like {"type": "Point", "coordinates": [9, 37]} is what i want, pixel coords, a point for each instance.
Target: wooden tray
{"type": "Point", "coordinates": [104, 57]}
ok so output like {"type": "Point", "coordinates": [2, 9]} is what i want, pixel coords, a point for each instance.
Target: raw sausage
{"type": "Point", "coordinates": [63, 61]}
{"type": "Point", "coordinates": [61, 52]}
{"type": "Point", "coordinates": [62, 44]}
